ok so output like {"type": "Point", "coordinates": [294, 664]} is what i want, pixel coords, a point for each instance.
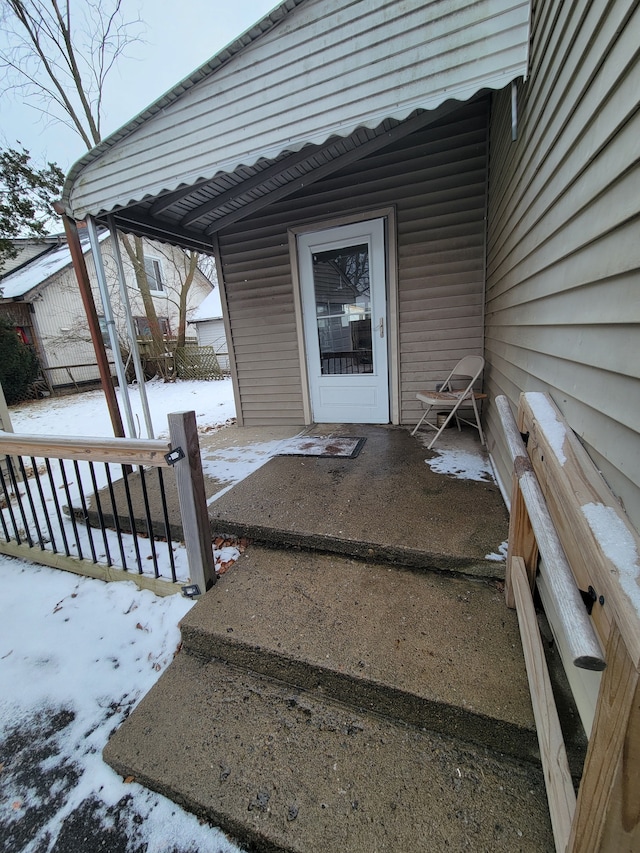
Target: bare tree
{"type": "Point", "coordinates": [185, 264]}
{"type": "Point", "coordinates": [61, 53]}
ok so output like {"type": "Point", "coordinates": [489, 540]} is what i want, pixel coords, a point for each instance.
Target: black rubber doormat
{"type": "Point", "coordinates": [331, 446]}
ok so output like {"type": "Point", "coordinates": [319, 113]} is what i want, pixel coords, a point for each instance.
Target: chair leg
{"type": "Point", "coordinates": [477, 414]}
{"type": "Point", "coordinates": [444, 426]}
{"type": "Point", "coordinates": [417, 426]}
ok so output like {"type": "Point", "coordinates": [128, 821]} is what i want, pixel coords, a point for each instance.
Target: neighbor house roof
{"type": "Point", "coordinates": [28, 248]}
{"type": "Point", "coordinates": [209, 309]}
{"type": "Point", "coordinates": [312, 81]}
{"type": "Point", "coordinates": [38, 271]}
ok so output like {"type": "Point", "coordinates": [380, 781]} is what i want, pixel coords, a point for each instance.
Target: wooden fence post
{"type": "Point", "coordinates": [607, 818]}
{"type": "Point", "coordinates": [522, 541]}
{"type": "Point", "coordinates": [191, 495]}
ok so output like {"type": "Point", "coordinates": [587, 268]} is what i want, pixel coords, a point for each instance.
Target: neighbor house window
{"type": "Point", "coordinates": [143, 329]}
{"type": "Point", "coordinates": [153, 269]}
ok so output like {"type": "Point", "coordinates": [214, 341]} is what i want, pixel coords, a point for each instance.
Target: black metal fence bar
{"type": "Point", "coordinates": [27, 489]}
{"type": "Point", "coordinates": [102, 525]}
{"type": "Point", "coordinates": [18, 499]}
{"type": "Point", "coordinates": [72, 518]}
{"type": "Point", "coordinates": [7, 504]}
{"type": "Point", "coordinates": [116, 518]}
{"type": "Point", "coordinates": [167, 525]}
{"type": "Point", "coordinates": [132, 518]}
{"type": "Point", "coordinates": [6, 491]}
{"type": "Point", "coordinates": [43, 506]}
{"type": "Point", "coordinates": [56, 503]}
{"type": "Point", "coordinates": [148, 522]}
{"type": "Point", "coordinates": [85, 511]}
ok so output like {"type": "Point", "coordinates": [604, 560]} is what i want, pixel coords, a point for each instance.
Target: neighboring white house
{"type": "Point", "coordinates": [41, 298]}
{"type": "Point", "coordinates": [209, 323]}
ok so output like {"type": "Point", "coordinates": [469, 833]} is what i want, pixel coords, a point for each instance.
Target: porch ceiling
{"type": "Point", "coordinates": [191, 215]}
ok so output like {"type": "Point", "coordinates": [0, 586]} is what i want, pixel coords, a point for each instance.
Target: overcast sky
{"type": "Point", "coordinates": [178, 38]}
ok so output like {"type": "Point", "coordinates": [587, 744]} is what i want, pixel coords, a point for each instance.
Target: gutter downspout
{"type": "Point", "coordinates": [111, 325]}
{"type": "Point", "coordinates": [133, 338]}
{"type": "Point", "coordinates": [84, 285]}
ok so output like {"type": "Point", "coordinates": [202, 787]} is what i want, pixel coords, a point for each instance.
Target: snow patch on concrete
{"type": "Point", "coordinates": [461, 464]}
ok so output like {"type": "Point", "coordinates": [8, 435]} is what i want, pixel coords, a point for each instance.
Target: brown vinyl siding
{"type": "Point", "coordinates": [562, 307]}
{"type": "Point", "coordinates": [436, 179]}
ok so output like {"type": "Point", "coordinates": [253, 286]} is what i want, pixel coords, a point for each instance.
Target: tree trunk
{"type": "Point", "coordinates": [136, 256]}
{"type": "Point", "coordinates": [184, 292]}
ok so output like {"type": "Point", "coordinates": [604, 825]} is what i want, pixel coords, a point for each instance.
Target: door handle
{"type": "Point", "coordinates": [381, 327]}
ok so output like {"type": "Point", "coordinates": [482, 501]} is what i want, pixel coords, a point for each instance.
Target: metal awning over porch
{"type": "Point", "coordinates": [310, 88]}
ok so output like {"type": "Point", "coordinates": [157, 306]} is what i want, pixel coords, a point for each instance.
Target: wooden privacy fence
{"type": "Point", "coordinates": [567, 529]}
{"type": "Point", "coordinates": [60, 510]}
{"type": "Point", "coordinates": [197, 363]}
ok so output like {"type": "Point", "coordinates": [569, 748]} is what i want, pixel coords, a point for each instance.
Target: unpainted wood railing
{"type": "Point", "coordinates": [563, 512]}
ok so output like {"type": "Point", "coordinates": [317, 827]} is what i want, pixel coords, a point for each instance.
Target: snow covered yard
{"type": "Point", "coordinates": [87, 413]}
{"type": "Point", "coordinates": [75, 656]}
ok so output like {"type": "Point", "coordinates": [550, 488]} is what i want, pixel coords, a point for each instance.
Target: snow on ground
{"type": "Point", "coordinates": [232, 464]}
{"type": "Point", "coordinates": [87, 413]}
{"type": "Point", "coordinates": [461, 464]}
{"type": "Point", "coordinates": [76, 655]}
{"type": "Point", "coordinates": [500, 555]}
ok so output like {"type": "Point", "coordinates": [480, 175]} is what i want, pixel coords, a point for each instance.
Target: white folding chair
{"type": "Point", "coordinates": [470, 367]}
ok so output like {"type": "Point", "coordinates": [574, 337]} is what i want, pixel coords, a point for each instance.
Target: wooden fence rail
{"type": "Point", "coordinates": [562, 508]}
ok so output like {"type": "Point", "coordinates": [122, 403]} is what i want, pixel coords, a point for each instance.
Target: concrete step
{"type": "Point", "coordinates": [321, 703]}
{"type": "Point", "coordinates": [431, 650]}
{"type": "Point", "coordinates": [281, 770]}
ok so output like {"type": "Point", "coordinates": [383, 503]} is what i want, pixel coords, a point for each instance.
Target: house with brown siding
{"type": "Point", "coordinates": [387, 187]}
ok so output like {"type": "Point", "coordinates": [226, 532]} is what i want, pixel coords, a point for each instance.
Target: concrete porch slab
{"type": "Point", "coordinates": [386, 504]}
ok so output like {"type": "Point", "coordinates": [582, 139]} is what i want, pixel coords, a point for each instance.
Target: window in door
{"type": "Point", "coordinates": [343, 309]}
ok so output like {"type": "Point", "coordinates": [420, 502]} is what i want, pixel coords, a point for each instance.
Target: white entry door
{"type": "Point", "coordinates": [344, 306]}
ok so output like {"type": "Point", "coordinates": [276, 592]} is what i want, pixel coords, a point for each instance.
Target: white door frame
{"type": "Point", "coordinates": [388, 214]}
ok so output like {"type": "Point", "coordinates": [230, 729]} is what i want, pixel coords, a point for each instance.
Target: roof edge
{"type": "Point", "coordinates": [243, 41]}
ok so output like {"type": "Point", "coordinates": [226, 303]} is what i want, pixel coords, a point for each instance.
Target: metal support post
{"type": "Point", "coordinates": [84, 285]}
{"type": "Point", "coordinates": [110, 322]}
{"type": "Point", "coordinates": [133, 338]}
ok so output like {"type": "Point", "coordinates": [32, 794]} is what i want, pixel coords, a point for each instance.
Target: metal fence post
{"type": "Point", "coordinates": [191, 495]}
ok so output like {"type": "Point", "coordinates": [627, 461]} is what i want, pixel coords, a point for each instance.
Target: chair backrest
{"type": "Point", "coordinates": [469, 365]}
